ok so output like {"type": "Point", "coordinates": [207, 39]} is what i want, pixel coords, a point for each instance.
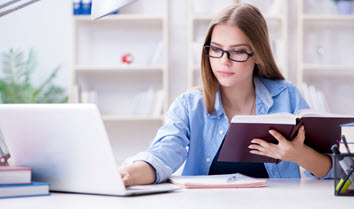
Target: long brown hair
{"type": "Point", "coordinates": [251, 22]}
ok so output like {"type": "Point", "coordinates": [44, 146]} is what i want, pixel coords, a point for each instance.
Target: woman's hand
{"type": "Point", "coordinates": [284, 150]}
{"type": "Point", "coordinates": [126, 177]}
{"type": "Point", "coordinates": [295, 151]}
{"type": "Point", "coordinates": [138, 173]}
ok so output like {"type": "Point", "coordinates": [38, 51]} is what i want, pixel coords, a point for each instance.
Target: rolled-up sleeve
{"type": "Point", "coordinates": [329, 174]}
{"type": "Point", "coordinates": [169, 148]}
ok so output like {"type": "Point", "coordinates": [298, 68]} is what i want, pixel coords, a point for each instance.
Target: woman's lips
{"type": "Point", "coordinates": [225, 73]}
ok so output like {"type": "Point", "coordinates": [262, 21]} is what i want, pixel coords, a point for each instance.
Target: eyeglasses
{"type": "Point", "coordinates": [234, 55]}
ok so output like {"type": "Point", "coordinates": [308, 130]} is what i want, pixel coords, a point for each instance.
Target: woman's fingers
{"type": "Point", "coordinates": [127, 180]}
{"type": "Point", "coordinates": [300, 137]}
{"type": "Point", "coordinates": [280, 138]}
{"type": "Point", "coordinates": [261, 147]}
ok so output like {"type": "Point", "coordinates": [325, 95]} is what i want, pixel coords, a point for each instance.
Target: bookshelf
{"type": "Point", "coordinates": [322, 36]}
{"type": "Point", "coordinates": [124, 93]}
{"type": "Point", "coordinates": [275, 13]}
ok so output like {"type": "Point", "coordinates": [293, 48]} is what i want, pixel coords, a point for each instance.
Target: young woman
{"type": "Point", "coordinates": [240, 77]}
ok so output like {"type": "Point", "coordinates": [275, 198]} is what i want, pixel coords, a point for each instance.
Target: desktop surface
{"type": "Point", "coordinates": [279, 193]}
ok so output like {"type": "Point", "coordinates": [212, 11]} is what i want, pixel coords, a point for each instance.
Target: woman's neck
{"type": "Point", "coordinates": [238, 99]}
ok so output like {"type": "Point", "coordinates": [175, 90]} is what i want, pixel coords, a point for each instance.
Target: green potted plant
{"type": "Point", "coordinates": [15, 81]}
{"type": "Point", "coordinates": [344, 7]}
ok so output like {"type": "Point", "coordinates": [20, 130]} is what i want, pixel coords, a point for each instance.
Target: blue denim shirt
{"type": "Point", "coordinates": [191, 134]}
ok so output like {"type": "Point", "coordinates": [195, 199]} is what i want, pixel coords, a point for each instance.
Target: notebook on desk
{"type": "Point", "coordinates": [67, 146]}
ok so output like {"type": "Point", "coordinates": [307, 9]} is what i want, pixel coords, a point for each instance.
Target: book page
{"type": "Point", "coordinates": [313, 113]}
{"type": "Point", "coordinates": [276, 118]}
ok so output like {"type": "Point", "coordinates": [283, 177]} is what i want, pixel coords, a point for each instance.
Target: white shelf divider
{"type": "Point", "coordinates": [328, 18]}
{"type": "Point", "coordinates": [119, 69]}
{"type": "Point", "coordinates": [132, 118]}
{"type": "Point", "coordinates": [120, 17]}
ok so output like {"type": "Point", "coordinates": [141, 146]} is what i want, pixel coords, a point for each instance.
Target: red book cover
{"type": "Point", "coordinates": [321, 132]}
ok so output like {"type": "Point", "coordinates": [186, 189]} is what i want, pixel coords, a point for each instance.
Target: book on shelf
{"type": "Point", "coordinates": [156, 56]}
{"type": "Point", "coordinates": [348, 131]}
{"type": "Point", "coordinates": [88, 97]}
{"type": "Point", "coordinates": [142, 103]}
{"type": "Point", "coordinates": [74, 94]}
{"type": "Point", "coordinates": [217, 181]}
{"type": "Point", "coordinates": [315, 98]}
{"type": "Point", "coordinates": [158, 103]}
{"type": "Point", "coordinates": [15, 175]}
{"type": "Point", "coordinates": [322, 130]}
{"type": "Point", "coordinates": [24, 190]}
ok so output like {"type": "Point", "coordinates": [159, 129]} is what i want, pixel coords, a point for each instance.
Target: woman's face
{"type": "Point", "coordinates": [228, 72]}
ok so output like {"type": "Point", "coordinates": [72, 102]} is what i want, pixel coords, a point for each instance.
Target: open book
{"type": "Point", "coordinates": [217, 181]}
{"type": "Point", "coordinates": [322, 130]}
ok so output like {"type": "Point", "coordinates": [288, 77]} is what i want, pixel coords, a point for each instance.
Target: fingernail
{"type": "Point", "coordinates": [270, 131]}
{"type": "Point", "coordinates": [302, 127]}
{"type": "Point", "coordinates": [253, 141]}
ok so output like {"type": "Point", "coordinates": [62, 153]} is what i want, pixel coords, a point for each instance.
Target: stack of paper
{"type": "Point", "coordinates": [217, 181]}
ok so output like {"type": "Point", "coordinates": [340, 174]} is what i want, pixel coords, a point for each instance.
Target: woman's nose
{"type": "Point", "coordinates": [225, 59]}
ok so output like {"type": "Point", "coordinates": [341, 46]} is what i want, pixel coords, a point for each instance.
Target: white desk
{"type": "Point", "coordinates": [279, 193]}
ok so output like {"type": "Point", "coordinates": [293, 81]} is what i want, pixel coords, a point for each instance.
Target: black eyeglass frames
{"type": "Point", "coordinates": [234, 55]}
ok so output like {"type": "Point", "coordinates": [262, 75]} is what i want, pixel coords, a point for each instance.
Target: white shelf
{"type": "Point", "coordinates": [120, 17]}
{"type": "Point", "coordinates": [206, 17]}
{"type": "Point", "coordinates": [328, 67]}
{"type": "Point", "coordinates": [133, 118]}
{"type": "Point", "coordinates": [119, 69]}
{"type": "Point", "coordinates": [328, 17]}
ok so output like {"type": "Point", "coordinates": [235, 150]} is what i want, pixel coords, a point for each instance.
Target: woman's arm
{"type": "Point", "coordinates": [167, 152]}
{"type": "Point", "coordinates": [138, 173]}
{"type": "Point", "coordinates": [295, 151]}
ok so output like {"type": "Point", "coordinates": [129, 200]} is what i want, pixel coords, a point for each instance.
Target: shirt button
{"type": "Point", "coordinates": [219, 117]}
{"type": "Point", "coordinates": [221, 132]}
{"type": "Point", "coordinates": [225, 116]}
{"type": "Point", "coordinates": [207, 160]}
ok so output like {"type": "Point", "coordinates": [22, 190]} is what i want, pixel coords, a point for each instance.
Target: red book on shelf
{"type": "Point", "coordinates": [15, 175]}
{"type": "Point", "coordinates": [322, 130]}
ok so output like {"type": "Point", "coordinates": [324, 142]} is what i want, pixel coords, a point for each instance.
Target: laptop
{"type": "Point", "coordinates": [67, 146]}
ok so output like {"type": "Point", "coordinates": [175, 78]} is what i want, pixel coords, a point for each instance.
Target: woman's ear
{"type": "Point", "coordinates": [256, 60]}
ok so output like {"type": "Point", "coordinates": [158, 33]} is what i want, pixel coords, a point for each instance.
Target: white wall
{"type": "Point", "coordinates": [44, 26]}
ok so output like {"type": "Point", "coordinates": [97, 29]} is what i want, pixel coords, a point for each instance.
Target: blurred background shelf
{"type": "Point", "coordinates": [325, 65]}
{"type": "Point", "coordinates": [120, 17]}
{"type": "Point", "coordinates": [119, 69]}
{"type": "Point", "coordinates": [328, 17]}
{"type": "Point", "coordinates": [130, 118]}
{"type": "Point", "coordinates": [120, 62]}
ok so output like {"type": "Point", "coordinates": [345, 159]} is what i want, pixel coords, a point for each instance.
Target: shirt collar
{"type": "Point", "coordinates": [265, 91]}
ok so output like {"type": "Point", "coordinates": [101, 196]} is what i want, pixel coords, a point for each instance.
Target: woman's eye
{"type": "Point", "coordinates": [237, 52]}
{"type": "Point", "coordinates": [215, 49]}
